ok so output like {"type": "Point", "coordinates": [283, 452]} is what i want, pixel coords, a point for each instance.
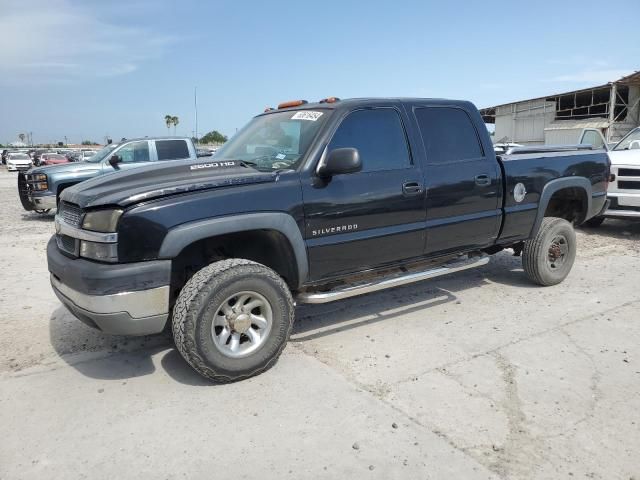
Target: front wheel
{"type": "Point", "coordinates": [548, 257]}
{"type": "Point", "coordinates": [232, 319]}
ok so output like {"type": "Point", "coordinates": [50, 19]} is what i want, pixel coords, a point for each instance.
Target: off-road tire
{"type": "Point", "coordinates": [594, 222]}
{"type": "Point", "coordinates": [535, 255]}
{"type": "Point", "coordinates": [195, 308]}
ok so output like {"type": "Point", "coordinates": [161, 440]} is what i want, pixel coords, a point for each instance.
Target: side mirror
{"type": "Point", "coordinates": [114, 160]}
{"type": "Point", "coordinates": [340, 161]}
{"type": "Point", "coordinates": [635, 145]}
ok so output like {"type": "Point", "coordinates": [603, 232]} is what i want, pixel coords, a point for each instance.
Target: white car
{"type": "Point", "coordinates": [624, 187]}
{"type": "Point", "coordinates": [18, 161]}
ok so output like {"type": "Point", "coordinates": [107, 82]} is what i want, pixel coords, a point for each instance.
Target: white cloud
{"type": "Point", "coordinates": [61, 40]}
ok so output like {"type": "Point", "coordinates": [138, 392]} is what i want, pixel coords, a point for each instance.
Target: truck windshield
{"type": "Point", "coordinates": [632, 136]}
{"type": "Point", "coordinates": [276, 140]}
{"type": "Point", "coordinates": [101, 154]}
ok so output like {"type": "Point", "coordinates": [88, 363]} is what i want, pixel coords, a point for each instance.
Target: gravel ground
{"type": "Point", "coordinates": [477, 375]}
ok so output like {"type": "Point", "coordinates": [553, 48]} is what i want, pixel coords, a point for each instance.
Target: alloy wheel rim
{"type": "Point", "coordinates": [241, 324]}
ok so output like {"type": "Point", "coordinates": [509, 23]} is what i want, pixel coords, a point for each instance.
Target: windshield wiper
{"type": "Point", "coordinates": [247, 163]}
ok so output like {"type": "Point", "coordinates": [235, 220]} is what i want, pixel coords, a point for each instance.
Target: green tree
{"type": "Point", "coordinates": [175, 121]}
{"type": "Point", "coordinates": [168, 121]}
{"type": "Point", "coordinates": [213, 136]}
{"type": "Point", "coordinates": [88, 142]}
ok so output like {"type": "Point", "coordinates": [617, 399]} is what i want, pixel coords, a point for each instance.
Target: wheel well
{"type": "Point", "coordinates": [268, 247]}
{"type": "Point", "coordinates": [61, 188]}
{"type": "Point", "coordinates": [569, 203]}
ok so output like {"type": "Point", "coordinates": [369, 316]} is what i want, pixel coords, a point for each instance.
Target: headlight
{"type": "Point", "coordinates": [104, 252]}
{"type": "Point", "coordinates": [39, 177]}
{"type": "Point", "coordinates": [39, 186]}
{"type": "Point", "coordinates": [105, 221]}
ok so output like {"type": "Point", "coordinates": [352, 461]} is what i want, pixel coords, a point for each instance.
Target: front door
{"type": "Point", "coordinates": [134, 154]}
{"type": "Point", "coordinates": [369, 218]}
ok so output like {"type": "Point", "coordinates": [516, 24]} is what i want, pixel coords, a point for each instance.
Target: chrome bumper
{"type": "Point", "coordinates": [44, 202]}
{"type": "Point", "coordinates": [619, 199]}
{"type": "Point", "coordinates": [141, 312]}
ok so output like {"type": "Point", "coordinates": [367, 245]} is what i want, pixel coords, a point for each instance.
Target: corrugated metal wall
{"type": "Point", "coordinates": [524, 122]}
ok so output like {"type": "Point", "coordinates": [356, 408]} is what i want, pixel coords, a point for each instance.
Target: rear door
{"type": "Point", "coordinates": [463, 181]}
{"type": "Point", "coordinates": [369, 218]}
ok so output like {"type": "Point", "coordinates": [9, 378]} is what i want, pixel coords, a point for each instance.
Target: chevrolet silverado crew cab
{"type": "Point", "coordinates": [40, 187]}
{"type": "Point", "coordinates": [310, 203]}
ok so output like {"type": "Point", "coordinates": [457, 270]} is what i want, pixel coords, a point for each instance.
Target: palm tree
{"type": "Point", "coordinates": [175, 121]}
{"type": "Point", "coordinates": [22, 136]}
{"type": "Point", "coordinates": [168, 120]}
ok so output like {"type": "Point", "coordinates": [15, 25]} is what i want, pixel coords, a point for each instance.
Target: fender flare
{"type": "Point", "coordinates": [558, 184]}
{"type": "Point", "coordinates": [184, 235]}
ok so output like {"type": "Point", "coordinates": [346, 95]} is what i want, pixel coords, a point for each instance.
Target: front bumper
{"type": "Point", "coordinates": [623, 205]}
{"type": "Point", "coordinates": [120, 299]}
{"type": "Point", "coordinates": [43, 202]}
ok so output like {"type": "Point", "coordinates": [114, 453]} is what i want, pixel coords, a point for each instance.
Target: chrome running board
{"type": "Point", "coordinates": [396, 280]}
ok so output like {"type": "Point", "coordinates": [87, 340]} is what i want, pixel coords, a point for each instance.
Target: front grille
{"type": "Point", "coordinates": [628, 185]}
{"type": "Point", "coordinates": [67, 244]}
{"type": "Point", "coordinates": [71, 214]}
{"type": "Point", "coordinates": [629, 172]}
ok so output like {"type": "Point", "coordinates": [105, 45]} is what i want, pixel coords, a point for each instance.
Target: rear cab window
{"type": "Point", "coordinates": [172, 149]}
{"type": "Point", "coordinates": [448, 135]}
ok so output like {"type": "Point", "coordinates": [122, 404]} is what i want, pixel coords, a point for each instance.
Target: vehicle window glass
{"type": "Point", "coordinates": [275, 141]}
{"type": "Point", "coordinates": [172, 149]}
{"type": "Point", "coordinates": [591, 137]}
{"type": "Point", "coordinates": [448, 134]}
{"type": "Point", "coordinates": [134, 152]}
{"type": "Point", "coordinates": [378, 135]}
{"type": "Point", "coordinates": [625, 143]}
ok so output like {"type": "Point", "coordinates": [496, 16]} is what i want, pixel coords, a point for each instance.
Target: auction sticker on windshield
{"type": "Point", "coordinates": [307, 115]}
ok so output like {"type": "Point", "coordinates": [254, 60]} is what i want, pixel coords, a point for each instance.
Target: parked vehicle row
{"type": "Point", "coordinates": [40, 187]}
{"type": "Point", "coordinates": [308, 203]}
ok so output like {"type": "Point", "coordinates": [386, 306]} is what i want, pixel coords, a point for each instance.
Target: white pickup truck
{"type": "Point", "coordinates": [624, 187]}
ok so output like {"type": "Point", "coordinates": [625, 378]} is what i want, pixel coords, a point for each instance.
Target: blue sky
{"type": "Point", "coordinates": [89, 68]}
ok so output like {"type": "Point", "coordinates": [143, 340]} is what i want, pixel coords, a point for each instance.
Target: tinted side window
{"type": "Point", "coordinates": [172, 149]}
{"type": "Point", "coordinates": [379, 137]}
{"type": "Point", "coordinates": [448, 134]}
{"type": "Point", "coordinates": [134, 152]}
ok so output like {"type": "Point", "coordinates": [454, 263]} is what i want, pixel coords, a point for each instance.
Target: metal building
{"type": "Point", "coordinates": [613, 108]}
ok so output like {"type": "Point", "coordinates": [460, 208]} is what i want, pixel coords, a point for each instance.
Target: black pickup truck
{"type": "Point", "coordinates": [311, 203]}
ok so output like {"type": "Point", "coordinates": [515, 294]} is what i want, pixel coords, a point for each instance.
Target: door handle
{"type": "Point", "coordinates": [483, 180]}
{"type": "Point", "coordinates": [411, 188]}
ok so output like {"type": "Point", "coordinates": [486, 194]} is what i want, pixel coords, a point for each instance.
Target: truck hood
{"type": "Point", "coordinates": [160, 180]}
{"type": "Point", "coordinates": [70, 168]}
{"type": "Point", "coordinates": [625, 157]}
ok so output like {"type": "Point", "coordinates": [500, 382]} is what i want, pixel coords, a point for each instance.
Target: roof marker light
{"type": "Point", "coordinates": [330, 100]}
{"type": "Point", "coordinates": [292, 103]}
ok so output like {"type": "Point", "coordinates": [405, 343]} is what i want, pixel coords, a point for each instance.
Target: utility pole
{"type": "Point", "coordinates": [195, 104]}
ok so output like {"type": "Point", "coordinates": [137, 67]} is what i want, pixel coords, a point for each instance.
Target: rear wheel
{"type": "Point", "coordinates": [548, 257]}
{"type": "Point", "coordinates": [232, 319]}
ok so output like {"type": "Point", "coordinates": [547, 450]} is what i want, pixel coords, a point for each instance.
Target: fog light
{"type": "Point", "coordinates": [104, 252]}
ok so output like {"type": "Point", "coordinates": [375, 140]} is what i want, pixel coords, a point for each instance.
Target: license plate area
{"type": "Point", "coordinates": [629, 201]}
